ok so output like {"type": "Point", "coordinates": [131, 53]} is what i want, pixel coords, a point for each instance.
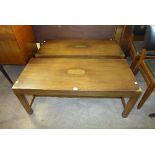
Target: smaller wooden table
{"type": "Point", "coordinates": [73, 77]}
{"type": "Point", "coordinates": [80, 48]}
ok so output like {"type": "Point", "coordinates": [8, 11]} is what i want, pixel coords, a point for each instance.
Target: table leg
{"type": "Point", "coordinates": [152, 115]}
{"type": "Point", "coordinates": [24, 103]}
{"type": "Point", "coordinates": [132, 101]}
{"type": "Point", "coordinates": [5, 74]}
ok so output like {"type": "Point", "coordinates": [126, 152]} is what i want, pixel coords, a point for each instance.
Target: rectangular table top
{"type": "Point", "coordinates": [62, 74]}
{"type": "Point", "coordinates": [80, 48]}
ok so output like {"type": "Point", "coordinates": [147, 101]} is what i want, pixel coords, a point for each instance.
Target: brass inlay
{"type": "Point", "coordinates": [80, 46]}
{"type": "Point", "coordinates": [139, 90]}
{"type": "Point", "coordinates": [76, 71]}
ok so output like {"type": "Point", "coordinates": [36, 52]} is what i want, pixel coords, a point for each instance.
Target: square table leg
{"type": "Point", "coordinates": [127, 107]}
{"type": "Point", "coordinates": [5, 74]}
{"type": "Point", "coordinates": [24, 103]}
{"type": "Point", "coordinates": [130, 104]}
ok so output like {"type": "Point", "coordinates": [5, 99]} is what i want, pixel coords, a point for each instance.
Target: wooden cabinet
{"type": "Point", "coordinates": [17, 44]}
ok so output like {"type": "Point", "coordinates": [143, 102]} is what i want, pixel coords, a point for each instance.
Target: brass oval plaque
{"type": "Point", "coordinates": [76, 71]}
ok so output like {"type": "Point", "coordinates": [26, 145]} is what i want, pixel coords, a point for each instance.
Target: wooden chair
{"type": "Point", "coordinates": [146, 67]}
{"type": "Point", "coordinates": [136, 43]}
{"type": "Point", "coordinates": [5, 74]}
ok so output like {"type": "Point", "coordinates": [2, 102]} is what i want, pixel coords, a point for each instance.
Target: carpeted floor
{"type": "Point", "coordinates": [70, 112]}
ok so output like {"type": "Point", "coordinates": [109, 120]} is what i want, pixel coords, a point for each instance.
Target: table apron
{"type": "Point", "coordinates": [57, 93]}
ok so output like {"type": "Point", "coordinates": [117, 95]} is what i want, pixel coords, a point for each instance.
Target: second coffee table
{"type": "Point", "coordinates": [80, 48]}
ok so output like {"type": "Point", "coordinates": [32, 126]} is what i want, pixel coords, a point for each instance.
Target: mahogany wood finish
{"type": "Point", "coordinates": [80, 48]}
{"type": "Point", "coordinates": [136, 56]}
{"type": "Point", "coordinates": [119, 29]}
{"type": "Point", "coordinates": [125, 37]}
{"type": "Point", "coordinates": [17, 44]}
{"type": "Point", "coordinates": [77, 78]}
{"type": "Point", "coordinates": [148, 77]}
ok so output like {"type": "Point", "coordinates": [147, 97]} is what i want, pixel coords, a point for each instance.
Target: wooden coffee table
{"type": "Point", "coordinates": [71, 77]}
{"type": "Point", "coordinates": [80, 48]}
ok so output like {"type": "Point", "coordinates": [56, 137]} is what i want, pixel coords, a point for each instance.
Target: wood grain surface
{"type": "Point", "coordinates": [17, 44]}
{"type": "Point", "coordinates": [97, 75]}
{"type": "Point", "coordinates": [80, 48]}
{"type": "Point", "coordinates": [48, 32]}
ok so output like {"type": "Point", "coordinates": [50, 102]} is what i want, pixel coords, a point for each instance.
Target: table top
{"type": "Point", "coordinates": [64, 74]}
{"type": "Point", "coordinates": [79, 48]}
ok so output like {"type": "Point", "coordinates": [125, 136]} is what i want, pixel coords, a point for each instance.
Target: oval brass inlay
{"type": "Point", "coordinates": [76, 71]}
{"type": "Point", "coordinates": [80, 46]}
